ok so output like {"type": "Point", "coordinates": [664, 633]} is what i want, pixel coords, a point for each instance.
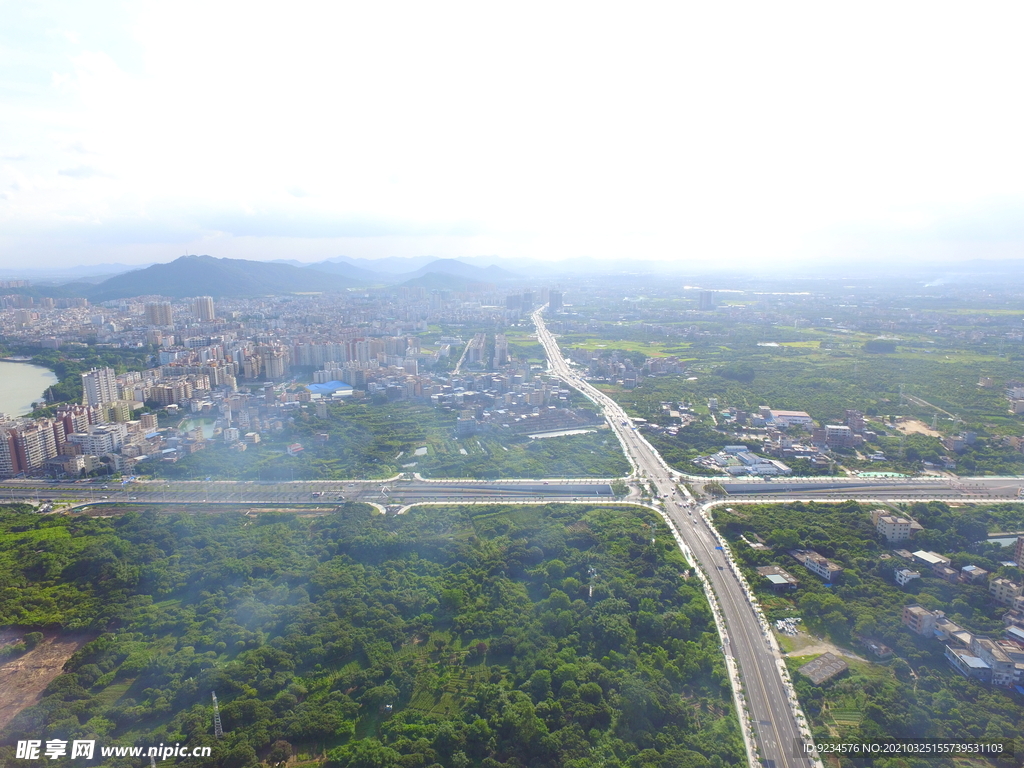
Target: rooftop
{"type": "Point", "coordinates": [823, 668]}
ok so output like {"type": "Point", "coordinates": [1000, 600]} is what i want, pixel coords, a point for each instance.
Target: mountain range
{"type": "Point", "coordinates": [206, 275]}
{"type": "Point", "coordinates": [193, 275]}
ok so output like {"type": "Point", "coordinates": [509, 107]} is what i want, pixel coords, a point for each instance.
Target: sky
{"type": "Point", "coordinates": [739, 133]}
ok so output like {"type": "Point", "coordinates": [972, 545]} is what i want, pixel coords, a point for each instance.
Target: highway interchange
{"type": "Point", "coordinates": [768, 700]}
{"type": "Point", "coordinates": [763, 695]}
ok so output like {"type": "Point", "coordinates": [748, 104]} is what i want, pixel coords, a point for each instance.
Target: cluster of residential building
{"type": "Point", "coordinates": [102, 434]}
{"type": "Point", "coordinates": [77, 440]}
{"type": "Point", "coordinates": [204, 351]}
{"type": "Point", "coordinates": [613, 366]}
{"type": "Point", "coordinates": [775, 427]}
{"type": "Point", "coordinates": [999, 661]}
{"type": "Point", "coordinates": [282, 324]}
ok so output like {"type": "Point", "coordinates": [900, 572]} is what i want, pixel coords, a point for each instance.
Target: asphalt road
{"type": "Point", "coordinates": [395, 491]}
{"type": "Point", "coordinates": [767, 698]}
{"type": "Point", "coordinates": [746, 641]}
{"type": "Point", "coordinates": [896, 489]}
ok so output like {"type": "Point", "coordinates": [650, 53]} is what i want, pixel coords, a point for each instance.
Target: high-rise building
{"type": "Point", "coordinates": [159, 313]}
{"type": "Point", "coordinates": [500, 350]}
{"type": "Point", "coordinates": [202, 307]}
{"type": "Point", "coordinates": [9, 465]}
{"type": "Point", "coordinates": [76, 418]}
{"type": "Point", "coordinates": [34, 444]}
{"type": "Point", "coordinates": [275, 365]}
{"type": "Point", "coordinates": [706, 301]}
{"type": "Point", "coordinates": [555, 301]}
{"type": "Point", "coordinates": [118, 411]}
{"type": "Point", "coordinates": [99, 386]}
{"type": "Point", "coordinates": [477, 349]}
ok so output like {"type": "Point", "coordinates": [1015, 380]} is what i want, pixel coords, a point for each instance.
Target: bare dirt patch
{"type": "Point", "coordinates": [913, 426]}
{"type": "Point", "coordinates": [23, 679]}
{"type": "Point", "coordinates": [804, 644]}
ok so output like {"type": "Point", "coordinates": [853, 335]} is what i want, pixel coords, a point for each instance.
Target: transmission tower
{"type": "Point", "coordinates": [218, 729]}
{"type": "Point", "coordinates": [152, 762]}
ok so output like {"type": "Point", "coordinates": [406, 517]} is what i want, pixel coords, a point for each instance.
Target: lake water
{"type": "Point", "coordinates": [1003, 541]}
{"type": "Point", "coordinates": [21, 384]}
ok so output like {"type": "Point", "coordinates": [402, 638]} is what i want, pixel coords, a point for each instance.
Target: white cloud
{"type": "Point", "coordinates": [739, 131]}
{"type": "Point", "coordinates": [82, 172]}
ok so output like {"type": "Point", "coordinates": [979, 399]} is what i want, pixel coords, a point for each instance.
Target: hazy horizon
{"type": "Point", "coordinates": [134, 133]}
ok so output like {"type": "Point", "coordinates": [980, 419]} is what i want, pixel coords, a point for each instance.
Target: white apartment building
{"type": "Point", "coordinates": [904, 576]}
{"type": "Point", "coordinates": [1004, 590]}
{"type": "Point", "coordinates": [100, 440]}
{"type": "Point", "coordinates": [99, 386]}
{"type": "Point", "coordinates": [894, 528]}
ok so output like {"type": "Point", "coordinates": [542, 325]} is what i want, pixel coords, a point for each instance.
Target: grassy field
{"type": "Point", "coordinates": [649, 348]}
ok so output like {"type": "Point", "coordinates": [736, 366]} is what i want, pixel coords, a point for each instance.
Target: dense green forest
{"type": "Point", "coordinates": [365, 441]}
{"type": "Point", "coordinates": [917, 694]}
{"type": "Point", "coordinates": [454, 636]}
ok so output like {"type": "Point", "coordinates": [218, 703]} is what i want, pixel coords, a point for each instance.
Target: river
{"type": "Point", "coordinates": [21, 384]}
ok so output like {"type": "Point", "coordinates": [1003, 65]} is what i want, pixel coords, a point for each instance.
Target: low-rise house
{"type": "Point", "coordinates": [817, 564]}
{"type": "Point", "coordinates": [931, 559]}
{"type": "Point", "coordinates": [950, 632]}
{"type": "Point", "coordinates": [877, 649]}
{"type": "Point", "coordinates": [919, 619]}
{"type": "Point", "coordinates": [789, 418]}
{"type": "Point", "coordinates": [893, 527]}
{"type": "Point", "coordinates": [969, 665]}
{"type": "Point", "coordinates": [1016, 635]}
{"type": "Point", "coordinates": [780, 580]}
{"type": "Point", "coordinates": [904, 576]}
{"type": "Point", "coordinates": [972, 574]}
{"type": "Point", "coordinates": [1004, 590]}
{"type": "Point", "coordinates": [1000, 664]}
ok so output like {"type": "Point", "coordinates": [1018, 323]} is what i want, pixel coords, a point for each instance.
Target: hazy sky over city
{"type": "Point", "coordinates": [137, 131]}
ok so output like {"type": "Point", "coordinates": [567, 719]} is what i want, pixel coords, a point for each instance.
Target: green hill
{"type": "Point", "coordinates": [205, 275]}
